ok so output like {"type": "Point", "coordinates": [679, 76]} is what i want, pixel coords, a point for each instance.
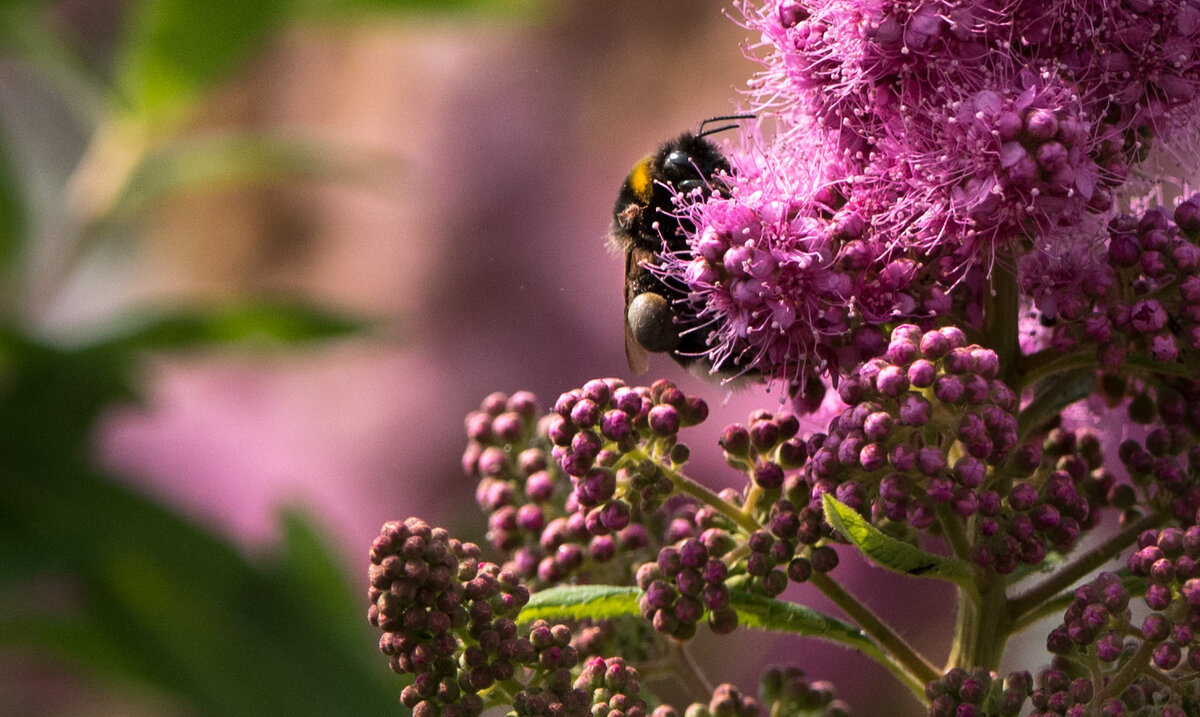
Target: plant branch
{"type": "Point", "coordinates": [953, 528]}
{"type": "Point", "coordinates": [697, 684]}
{"type": "Point", "coordinates": [1068, 574]}
{"type": "Point", "coordinates": [1000, 320]}
{"type": "Point", "coordinates": [704, 495]}
{"type": "Point", "coordinates": [916, 665]}
{"type": "Point", "coordinates": [753, 496]}
{"type": "Point", "coordinates": [1066, 388]}
{"type": "Point", "coordinates": [1127, 673]}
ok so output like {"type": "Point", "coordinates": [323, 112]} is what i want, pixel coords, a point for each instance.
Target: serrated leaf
{"type": "Point", "coordinates": [763, 613]}
{"type": "Point", "coordinates": [576, 602]}
{"type": "Point", "coordinates": [579, 602]}
{"type": "Point", "coordinates": [890, 553]}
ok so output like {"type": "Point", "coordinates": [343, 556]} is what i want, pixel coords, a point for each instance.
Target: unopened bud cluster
{"type": "Point", "coordinates": [727, 701]}
{"type": "Point", "coordinates": [1165, 464]}
{"type": "Point", "coordinates": [535, 512]}
{"type": "Point", "coordinates": [1143, 299]}
{"type": "Point", "coordinates": [1063, 692]}
{"type": "Point", "coordinates": [446, 617]}
{"type": "Point", "coordinates": [978, 692]}
{"type": "Point", "coordinates": [791, 544]}
{"type": "Point", "coordinates": [877, 455]}
{"type": "Point", "coordinates": [786, 691]}
{"type": "Point", "coordinates": [683, 586]}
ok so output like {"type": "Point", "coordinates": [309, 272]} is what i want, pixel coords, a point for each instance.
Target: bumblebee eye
{"type": "Point", "coordinates": [682, 173]}
{"type": "Point", "coordinates": [678, 161]}
{"type": "Point", "coordinates": [652, 322]}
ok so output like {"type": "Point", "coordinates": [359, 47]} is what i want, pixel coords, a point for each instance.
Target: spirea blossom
{"type": "Point", "coordinates": [763, 276]}
{"type": "Point", "coordinates": [1010, 160]}
{"type": "Point", "coordinates": [1135, 62]}
{"type": "Point", "coordinates": [962, 133]}
{"type": "Point", "coordinates": [786, 274]}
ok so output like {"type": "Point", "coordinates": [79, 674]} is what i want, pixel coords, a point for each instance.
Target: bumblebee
{"type": "Point", "coordinates": [646, 224]}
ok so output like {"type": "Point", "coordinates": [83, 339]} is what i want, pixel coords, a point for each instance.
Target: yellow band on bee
{"type": "Point", "coordinates": [640, 181]}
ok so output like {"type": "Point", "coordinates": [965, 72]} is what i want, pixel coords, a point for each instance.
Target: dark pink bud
{"type": "Point", "coordinates": [1041, 124]}
{"type": "Point", "coordinates": [892, 381]}
{"type": "Point", "coordinates": [664, 420]}
{"type": "Point", "coordinates": [1166, 656]}
{"type": "Point", "coordinates": [901, 352]}
{"type": "Point", "coordinates": [1157, 597]}
{"type": "Point", "coordinates": [935, 344]}
{"type": "Point", "coordinates": [628, 400]}
{"type": "Point", "coordinates": [948, 389]}
{"type": "Point", "coordinates": [1147, 316]}
{"type": "Point", "coordinates": [1124, 251]}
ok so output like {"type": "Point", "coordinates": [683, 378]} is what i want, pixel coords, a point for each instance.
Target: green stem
{"type": "Point", "coordinates": [982, 628]}
{"type": "Point", "coordinates": [1126, 675]}
{"type": "Point", "coordinates": [916, 666]}
{"type": "Point", "coordinates": [1067, 388]}
{"type": "Point", "coordinates": [1000, 320]}
{"type": "Point", "coordinates": [1085, 563]}
{"type": "Point", "coordinates": [953, 529]}
{"type": "Point", "coordinates": [704, 495]}
{"type": "Point", "coordinates": [753, 496]}
{"type": "Point", "coordinates": [699, 686]}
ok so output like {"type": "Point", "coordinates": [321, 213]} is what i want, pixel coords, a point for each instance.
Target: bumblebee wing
{"type": "Point", "coordinates": [637, 357]}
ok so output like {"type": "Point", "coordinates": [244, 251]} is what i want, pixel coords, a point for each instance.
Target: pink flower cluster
{"type": "Point", "coordinates": [918, 148]}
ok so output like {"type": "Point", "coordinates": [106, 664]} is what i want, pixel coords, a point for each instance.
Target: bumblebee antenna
{"type": "Point", "coordinates": [705, 132]}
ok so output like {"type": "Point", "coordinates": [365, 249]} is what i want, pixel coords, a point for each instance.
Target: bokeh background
{"type": "Point", "coordinates": [258, 261]}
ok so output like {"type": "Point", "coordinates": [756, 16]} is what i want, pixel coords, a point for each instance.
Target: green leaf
{"type": "Point", "coordinates": [579, 602]}
{"type": "Point", "coordinates": [763, 613]}
{"type": "Point", "coordinates": [12, 225]}
{"type": "Point", "coordinates": [278, 321]}
{"type": "Point", "coordinates": [888, 552]}
{"type": "Point", "coordinates": [222, 159]}
{"type": "Point", "coordinates": [158, 600]}
{"type": "Point", "coordinates": [28, 32]}
{"type": "Point", "coordinates": [50, 398]}
{"type": "Point", "coordinates": [172, 50]}
{"type": "Point", "coordinates": [1054, 393]}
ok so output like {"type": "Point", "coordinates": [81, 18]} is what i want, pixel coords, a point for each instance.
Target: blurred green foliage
{"type": "Point", "coordinates": [91, 572]}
